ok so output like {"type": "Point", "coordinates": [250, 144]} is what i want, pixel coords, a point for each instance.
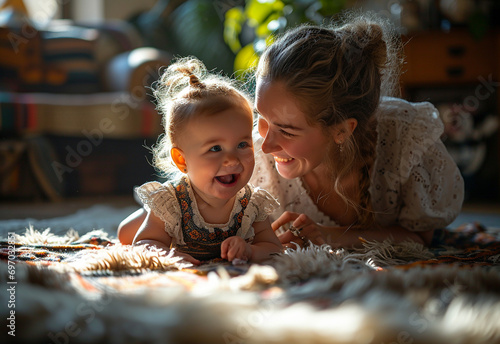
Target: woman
{"type": "Point", "coordinates": [345, 161]}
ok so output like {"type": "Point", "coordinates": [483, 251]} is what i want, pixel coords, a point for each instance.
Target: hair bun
{"type": "Point", "coordinates": [377, 39]}
{"type": "Point", "coordinates": [192, 68]}
{"type": "Point", "coordinates": [195, 81]}
{"type": "Point", "coordinates": [366, 40]}
{"type": "Point", "coordinates": [376, 45]}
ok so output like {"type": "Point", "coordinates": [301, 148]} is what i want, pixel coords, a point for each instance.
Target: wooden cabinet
{"type": "Point", "coordinates": [448, 58]}
{"type": "Point", "coordinates": [456, 69]}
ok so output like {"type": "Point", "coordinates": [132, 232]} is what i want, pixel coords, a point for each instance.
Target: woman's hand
{"type": "Point", "coordinates": [308, 230]}
{"type": "Point", "coordinates": [235, 247]}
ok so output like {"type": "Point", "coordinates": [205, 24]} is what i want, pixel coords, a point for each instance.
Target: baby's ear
{"type": "Point", "coordinates": [178, 158]}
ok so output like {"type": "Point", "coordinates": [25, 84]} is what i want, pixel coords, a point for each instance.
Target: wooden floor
{"type": "Point", "coordinates": [46, 209]}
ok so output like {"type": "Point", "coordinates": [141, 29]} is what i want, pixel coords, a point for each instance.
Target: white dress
{"type": "Point", "coordinates": [414, 183]}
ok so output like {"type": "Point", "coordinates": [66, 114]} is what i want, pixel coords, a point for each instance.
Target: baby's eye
{"type": "Point", "coordinates": [243, 144]}
{"type": "Point", "coordinates": [216, 148]}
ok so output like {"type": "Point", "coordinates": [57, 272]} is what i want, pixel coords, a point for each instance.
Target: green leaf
{"type": "Point", "coordinates": [245, 60]}
{"type": "Point", "coordinates": [233, 22]}
{"type": "Point", "coordinates": [258, 12]}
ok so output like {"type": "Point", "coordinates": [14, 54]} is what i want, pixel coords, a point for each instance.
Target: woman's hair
{"type": "Point", "coordinates": [185, 90]}
{"type": "Point", "coordinates": [337, 72]}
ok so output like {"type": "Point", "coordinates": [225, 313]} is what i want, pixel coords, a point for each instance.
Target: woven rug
{"type": "Point", "coordinates": [88, 288]}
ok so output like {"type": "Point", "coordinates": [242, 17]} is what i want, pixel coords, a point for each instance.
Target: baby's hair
{"type": "Point", "coordinates": [337, 72]}
{"type": "Point", "coordinates": [185, 90]}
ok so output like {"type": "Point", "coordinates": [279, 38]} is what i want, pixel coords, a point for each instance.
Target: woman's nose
{"type": "Point", "coordinates": [269, 144]}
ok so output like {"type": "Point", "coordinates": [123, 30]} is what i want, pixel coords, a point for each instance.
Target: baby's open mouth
{"type": "Point", "coordinates": [227, 179]}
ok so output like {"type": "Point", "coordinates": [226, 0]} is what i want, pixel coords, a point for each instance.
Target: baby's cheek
{"type": "Point", "coordinates": [248, 158]}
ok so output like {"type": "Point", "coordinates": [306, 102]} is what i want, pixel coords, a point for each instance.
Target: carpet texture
{"type": "Point", "coordinates": [90, 289]}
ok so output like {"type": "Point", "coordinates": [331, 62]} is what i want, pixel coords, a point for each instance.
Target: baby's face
{"type": "Point", "coordinates": [218, 150]}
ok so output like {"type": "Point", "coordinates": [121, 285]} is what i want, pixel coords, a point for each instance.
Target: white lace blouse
{"type": "Point", "coordinates": [162, 200]}
{"type": "Point", "coordinates": [414, 182]}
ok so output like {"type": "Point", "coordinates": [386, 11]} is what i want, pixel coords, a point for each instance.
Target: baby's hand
{"type": "Point", "coordinates": [235, 248]}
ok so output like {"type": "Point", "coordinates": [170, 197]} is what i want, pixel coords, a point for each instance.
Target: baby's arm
{"type": "Point", "coordinates": [152, 232]}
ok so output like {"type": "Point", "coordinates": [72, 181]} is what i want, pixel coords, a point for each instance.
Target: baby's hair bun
{"type": "Point", "coordinates": [185, 74]}
{"type": "Point", "coordinates": [195, 82]}
{"type": "Point", "coordinates": [191, 68]}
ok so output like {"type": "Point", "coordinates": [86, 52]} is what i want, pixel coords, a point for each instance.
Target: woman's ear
{"type": "Point", "coordinates": [178, 158]}
{"type": "Point", "coordinates": [344, 130]}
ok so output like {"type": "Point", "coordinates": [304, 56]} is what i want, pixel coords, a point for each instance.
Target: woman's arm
{"type": "Point", "coordinates": [343, 236]}
{"type": "Point", "coordinates": [265, 241]}
{"type": "Point", "coordinates": [350, 237]}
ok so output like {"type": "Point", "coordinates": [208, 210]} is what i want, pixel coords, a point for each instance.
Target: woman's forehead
{"type": "Point", "coordinates": [273, 101]}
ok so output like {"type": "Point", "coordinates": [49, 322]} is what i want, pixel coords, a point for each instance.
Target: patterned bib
{"type": "Point", "coordinates": [201, 243]}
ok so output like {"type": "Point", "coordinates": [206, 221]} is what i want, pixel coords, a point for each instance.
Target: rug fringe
{"type": "Point", "coordinates": [119, 258]}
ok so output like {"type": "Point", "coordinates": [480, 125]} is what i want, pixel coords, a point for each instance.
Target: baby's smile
{"type": "Point", "coordinates": [228, 179]}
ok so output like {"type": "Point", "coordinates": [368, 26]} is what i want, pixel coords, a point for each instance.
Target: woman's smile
{"type": "Point", "coordinates": [282, 160]}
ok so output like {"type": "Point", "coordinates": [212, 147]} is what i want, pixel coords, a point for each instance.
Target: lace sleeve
{"type": "Point", "coordinates": [415, 182]}
{"type": "Point", "coordinates": [259, 207]}
{"type": "Point", "coordinates": [433, 194]}
{"type": "Point", "coordinates": [264, 204]}
{"type": "Point", "coordinates": [161, 200]}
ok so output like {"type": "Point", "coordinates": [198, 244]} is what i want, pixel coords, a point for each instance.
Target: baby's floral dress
{"type": "Point", "coordinates": [174, 203]}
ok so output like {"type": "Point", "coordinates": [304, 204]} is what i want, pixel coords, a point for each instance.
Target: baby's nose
{"type": "Point", "coordinates": [231, 160]}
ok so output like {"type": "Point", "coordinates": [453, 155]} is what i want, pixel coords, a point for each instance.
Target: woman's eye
{"type": "Point", "coordinates": [243, 144]}
{"type": "Point", "coordinates": [215, 149]}
{"type": "Point", "coordinates": [286, 133]}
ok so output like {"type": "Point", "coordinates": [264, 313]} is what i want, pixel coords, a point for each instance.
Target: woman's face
{"type": "Point", "coordinates": [298, 148]}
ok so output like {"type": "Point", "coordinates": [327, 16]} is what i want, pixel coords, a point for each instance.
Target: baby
{"type": "Point", "coordinates": [206, 209]}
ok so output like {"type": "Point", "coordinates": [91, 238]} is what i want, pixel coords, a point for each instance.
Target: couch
{"type": "Point", "coordinates": [75, 109]}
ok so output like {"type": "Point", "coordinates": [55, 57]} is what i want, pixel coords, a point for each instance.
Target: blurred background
{"type": "Point", "coordinates": [77, 118]}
